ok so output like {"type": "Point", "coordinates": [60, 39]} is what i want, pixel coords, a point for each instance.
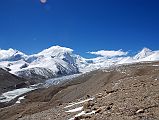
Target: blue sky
{"type": "Point", "coordinates": [83, 25]}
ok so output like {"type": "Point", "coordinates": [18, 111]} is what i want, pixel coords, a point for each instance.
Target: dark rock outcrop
{"type": "Point", "coordinates": [9, 81]}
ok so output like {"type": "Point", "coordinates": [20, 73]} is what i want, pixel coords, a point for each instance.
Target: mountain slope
{"type": "Point", "coordinates": [145, 52]}
{"type": "Point", "coordinates": [9, 81]}
{"type": "Point", "coordinates": [127, 92]}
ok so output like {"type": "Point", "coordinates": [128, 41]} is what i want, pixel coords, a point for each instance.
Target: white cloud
{"type": "Point", "coordinates": [109, 53]}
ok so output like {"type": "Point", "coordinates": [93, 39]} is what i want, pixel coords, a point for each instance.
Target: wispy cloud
{"type": "Point", "coordinates": [109, 53]}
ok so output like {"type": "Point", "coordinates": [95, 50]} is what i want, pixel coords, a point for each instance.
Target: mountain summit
{"type": "Point", "coordinates": [57, 51]}
{"type": "Point", "coordinates": [145, 52]}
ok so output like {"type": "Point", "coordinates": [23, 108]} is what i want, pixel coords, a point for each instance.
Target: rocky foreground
{"type": "Point", "coordinates": [127, 92]}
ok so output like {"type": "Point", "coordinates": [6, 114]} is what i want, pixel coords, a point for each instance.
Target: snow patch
{"type": "Point", "coordinates": [76, 103]}
{"type": "Point", "coordinates": [82, 113]}
{"type": "Point", "coordinates": [75, 110]}
{"type": "Point", "coordinates": [19, 99]}
{"type": "Point", "coordinates": [155, 65]}
{"type": "Point", "coordinates": [10, 95]}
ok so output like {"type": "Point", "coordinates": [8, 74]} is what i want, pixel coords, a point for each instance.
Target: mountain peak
{"type": "Point", "coordinates": [55, 50]}
{"type": "Point", "coordinates": [10, 50]}
{"type": "Point", "coordinates": [11, 54]}
{"type": "Point", "coordinates": [143, 53]}
{"type": "Point", "coordinates": [145, 50]}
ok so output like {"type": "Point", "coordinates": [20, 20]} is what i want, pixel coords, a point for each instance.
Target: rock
{"type": "Point", "coordinates": [99, 95]}
{"type": "Point", "coordinates": [85, 116]}
{"type": "Point", "coordinates": [93, 118]}
{"type": "Point", "coordinates": [95, 107]}
{"type": "Point", "coordinates": [87, 110]}
{"type": "Point", "coordinates": [108, 108]}
{"type": "Point", "coordinates": [22, 85]}
{"type": "Point", "coordinates": [98, 110]}
{"type": "Point", "coordinates": [60, 104]}
{"type": "Point", "coordinates": [140, 111]}
{"type": "Point", "coordinates": [20, 116]}
{"type": "Point", "coordinates": [88, 96]}
{"type": "Point", "coordinates": [111, 91]}
{"type": "Point", "coordinates": [24, 66]}
{"type": "Point", "coordinates": [88, 105]}
{"type": "Point", "coordinates": [76, 118]}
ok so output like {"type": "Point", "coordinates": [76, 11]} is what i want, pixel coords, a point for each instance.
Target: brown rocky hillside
{"type": "Point", "coordinates": [9, 81]}
{"type": "Point", "coordinates": [126, 92]}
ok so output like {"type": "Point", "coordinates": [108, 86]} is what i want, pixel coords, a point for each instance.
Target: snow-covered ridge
{"type": "Point", "coordinates": [11, 55]}
{"type": "Point", "coordinates": [58, 61]}
{"type": "Point", "coordinates": [55, 51]}
{"type": "Point", "coordinates": [145, 52]}
{"type": "Point", "coordinates": [52, 62]}
{"type": "Point", "coordinates": [105, 60]}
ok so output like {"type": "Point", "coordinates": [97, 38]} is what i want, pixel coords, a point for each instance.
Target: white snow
{"type": "Point", "coordinates": [53, 59]}
{"type": "Point", "coordinates": [56, 51]}
{"type": "Point", "coordinates": [6, 54]}
{"type": "Point", "coordinates": [57, 80]}
{"type": "Point", "coordinates": [155, 65]}
{"type": "Point", "coordinates": [143, 53]}
{"type": "Point", "coordinates": [78, 108]}
{"type": "Point", "coordinates": [10, 95]}
{"type": "Point", "coordinates": [19, 99]}
{"type": "Point", "coordinates": [75, 110]}
{"type": "Point", "coordinates": [82, 113]}
{"type": "Point", "coordinates": [80, 102]}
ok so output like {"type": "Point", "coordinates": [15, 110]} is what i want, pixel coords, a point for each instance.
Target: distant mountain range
{"type": "Point", "coordinates": [59, 61]}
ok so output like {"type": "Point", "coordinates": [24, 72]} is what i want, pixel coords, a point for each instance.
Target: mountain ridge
{"type": "Point", "coordinates": [62, 61]}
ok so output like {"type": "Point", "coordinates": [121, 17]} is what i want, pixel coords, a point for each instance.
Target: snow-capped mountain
{"type": "Point", "coordinates": [145, 52]}
{"type": "Point", "coordinates": [57, 61]}
{"type": "Point", "coordinates": [52, 62]}
{"type": "Point", "coordinates": [11, 55]}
